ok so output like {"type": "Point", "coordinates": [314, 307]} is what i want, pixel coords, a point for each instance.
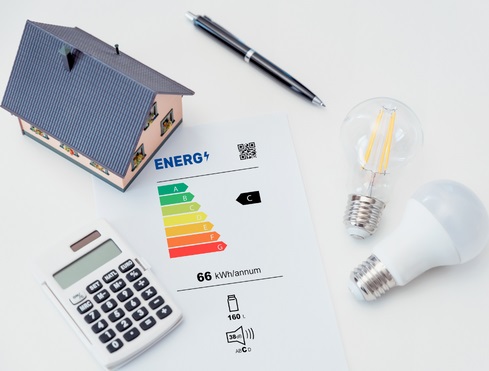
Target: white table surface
{"type": "Point", "coordinates": [434, 56]}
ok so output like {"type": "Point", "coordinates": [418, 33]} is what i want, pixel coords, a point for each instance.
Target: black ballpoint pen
{"type": "Point", "coordinates": [251, 56]}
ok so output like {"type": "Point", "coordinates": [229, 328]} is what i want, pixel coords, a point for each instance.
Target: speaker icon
{"type": "Point", "coordinates": [239, 335]}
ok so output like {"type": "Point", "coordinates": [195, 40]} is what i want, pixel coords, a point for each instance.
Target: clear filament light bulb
{"type": "Point", "coordinates": [380, 135]}
{"type": "Point", "coordinates": [445, 223]}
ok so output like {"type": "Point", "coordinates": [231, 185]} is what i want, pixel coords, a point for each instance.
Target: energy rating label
{"type": "Point", "coordinates": [221, 216]}
{"type": "Point", "coordinates": [186, 228]}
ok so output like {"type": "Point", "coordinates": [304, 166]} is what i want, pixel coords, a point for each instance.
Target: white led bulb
{"type": "Point", "coordinates": [445, 223]}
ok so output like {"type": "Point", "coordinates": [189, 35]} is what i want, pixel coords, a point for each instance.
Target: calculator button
{"type": "Point", "coordinates": [132, 304]}
{"type": "Point", "coordinates": [163, 312]}
{"type": "Point", "coordinates": [116, 315]}
{"type": "Point", "coordinates": [148, 323]}
{"type": "Point", "coordinates": [123, 325]}
{"type": "Point", "coordinates": [85, 307]}
{"type": "Point", "coordinates": [126, 266]}
{"type": "Point", "coordinates": [131, 334]}
{"type": "Point", "coordinates": [115, 345]}
{"type": "Point", "coordinates": [134, 275]}
{"type": "Point", "coordinates": [101, 296]}
{"type": "Point", "coordinates": [125, 294]}
{"type": "Point", "coordinates": [141, 284]}
{"type": "Point", "coordinates": [148, 293]}
{"type": "Point", "coordinates": [156, 302]}
{"type": "Point", "coordinates": [109, 277]}
{"type": "Point", "coordinates": [77, 298]}
{"type": "Point", "coordinates": [92, 316]}
{"type": "Point", "coordinates": [140, 313]}
{"type": "Point", "coordinates": [94, 287]}
{"type": "Point", "coordinates": [107, 335]}
{"type": "Point", "coordinates": [99, 326]}
{"type": "Point", "coordinates": [109, 305]}
{"type": "Point", "coordinates": [118, 285]}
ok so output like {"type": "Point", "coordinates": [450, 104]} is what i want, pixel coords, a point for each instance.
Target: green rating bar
{"type": "Point", "coordinates": [172, 188]}
{"type": "Point", "coordinates": [180, 208]}
{"type": "Point", "coordinates": [176, 199]}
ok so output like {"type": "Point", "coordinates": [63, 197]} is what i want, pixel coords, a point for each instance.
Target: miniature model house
{"type": "Point", "coordinates": [90, 102]}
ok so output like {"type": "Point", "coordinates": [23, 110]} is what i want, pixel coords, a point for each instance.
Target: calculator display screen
{"type": "Point", "coordinates": [87, 264]}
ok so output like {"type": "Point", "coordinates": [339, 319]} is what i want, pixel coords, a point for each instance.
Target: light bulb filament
{"type": "Point", "coordinates": [386, 145]}
{"type": "Point", "coordinates": [373, 135]}
{"type": "Point", "coordinates": [386, 150]}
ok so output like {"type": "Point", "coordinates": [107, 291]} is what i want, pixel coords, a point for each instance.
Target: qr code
{"type": "Point", "coordinates": [247, 150]}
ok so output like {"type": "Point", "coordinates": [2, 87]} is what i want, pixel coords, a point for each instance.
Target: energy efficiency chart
{"type": "Point", "coordinates": [187, 231]}
{"type": "Point", "coordinates": [221, 216]}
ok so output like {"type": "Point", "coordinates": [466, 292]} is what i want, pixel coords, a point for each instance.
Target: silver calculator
{"type": "Point", "coordinates": [108, 294]}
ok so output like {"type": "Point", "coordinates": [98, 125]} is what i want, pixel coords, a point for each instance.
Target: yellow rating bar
{"type": "Point", "coordinates": [184, 219]}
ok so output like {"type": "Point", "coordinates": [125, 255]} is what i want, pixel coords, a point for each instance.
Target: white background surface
{"type": "Point", "coordinates": [431, 55]}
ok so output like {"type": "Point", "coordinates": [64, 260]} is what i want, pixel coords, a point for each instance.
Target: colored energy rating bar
{"type": "Point", "coordinates": [175, 199]}
{"type": "Point", "coordinates": [172, 188]}
{"type": "Point", "coordinates": [188, 229]}
{"type": "Point", "coordinates": [184, 219]}
{"type": "Point", "coordinates": [197, 249]}
{"type": "Point", "coordinates": [187, 232]}
{"type": "Point", "coordinates": [193, 239]}
{"type": "Point", "coordinates": [180, 208]}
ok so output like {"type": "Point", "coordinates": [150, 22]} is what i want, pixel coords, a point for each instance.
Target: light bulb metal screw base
{"type": "Point", "coordinates": [362, 215]}
{"type": "Point", "coordinates": [371, 279]}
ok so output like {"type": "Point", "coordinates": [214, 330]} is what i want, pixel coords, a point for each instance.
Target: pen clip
{"type": "Point", "coordinates": [220, 28]}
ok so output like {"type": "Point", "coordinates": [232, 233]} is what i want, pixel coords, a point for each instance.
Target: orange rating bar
{"type": "Point", "coordinates": [204, 248]}
{"type": "Point", "coordinates": [193, 239]}
{"type": "Point", "coordinates": [188, 229]}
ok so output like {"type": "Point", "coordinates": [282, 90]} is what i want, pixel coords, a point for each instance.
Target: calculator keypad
{"type": "Point", "coordinates": [130, 303]}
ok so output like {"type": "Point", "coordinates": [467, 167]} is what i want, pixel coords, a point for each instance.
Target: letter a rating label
{"type": "Point", "coordinates": [187, 231]}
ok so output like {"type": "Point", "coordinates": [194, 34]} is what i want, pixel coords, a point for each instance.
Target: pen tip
{"type": "Point", "coordinates": [318, 102]}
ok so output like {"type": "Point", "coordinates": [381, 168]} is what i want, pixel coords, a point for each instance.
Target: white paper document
{"type": "Point", "coordinates": [221, 216]}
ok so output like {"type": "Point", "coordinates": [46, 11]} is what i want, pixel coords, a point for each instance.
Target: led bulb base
{"type": "Point", "coordinates": [362, 215]}
{"type": "Point", "coordinates": [370, 280]}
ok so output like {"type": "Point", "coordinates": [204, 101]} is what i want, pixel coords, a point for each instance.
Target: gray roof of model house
{"type": "Point", "coordinates": [99, 107]}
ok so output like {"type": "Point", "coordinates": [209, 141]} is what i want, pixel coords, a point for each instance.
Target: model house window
{"type": "Point", "coordinates": [39, 132]}
{"type": "Point", "coordinates": [167, 122]}
{"type": "Point", "coordinates": [153, 114]}
{"type": "Point", "coordinates": [98, 167]}
{"type": "Point", "coordinates": [138, 157]}
{"type": "Point", "coordinates": [70, 150]}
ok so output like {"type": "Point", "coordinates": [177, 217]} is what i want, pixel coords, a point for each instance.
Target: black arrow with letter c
{"type": "Point", "coordinates": [249, 198]}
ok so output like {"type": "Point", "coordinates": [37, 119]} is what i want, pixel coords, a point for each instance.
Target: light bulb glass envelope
{"type": "Point", "coordinates": [445, 223]}
{"type": "Point", "coordinates": [379, 135]}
